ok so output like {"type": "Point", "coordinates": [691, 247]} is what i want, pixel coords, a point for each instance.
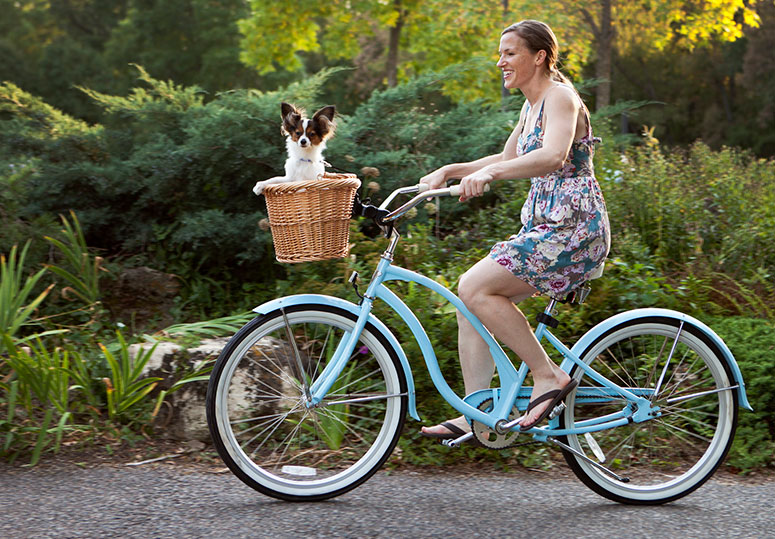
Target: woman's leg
{"type": "Point", "coordinates": [477, 365]}
{"type": "Point", "coordinates": [490, 291]}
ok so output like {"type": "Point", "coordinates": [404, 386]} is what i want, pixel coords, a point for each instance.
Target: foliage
{"type": "Point", "coordinates": [722, 94]}
{"type": "Point", "coordinates": [434, 34]}
{"type": "Point", "coordinates": [17, 299]}
{"type": "Point", "coordinates": [127, 385]}
{"type": "Point", "coordinates": [193, 331]}
{"type": "Point", "coordinates": [33, 393]}
{"type": "Point", "coordinates": [652, 26]}
{"type": "Point", "coordinates": [415, 37]}
{"type": "Point", "coordinates": [83, 271]}
{"type": "Point", "coordinates": [702, 213]}
{"type": "Point", "coordinates": [54, 387]}
{"type": "Point", "coordinates": [752, 342]}
{"type": "Point", "coordinates": [51, 47]}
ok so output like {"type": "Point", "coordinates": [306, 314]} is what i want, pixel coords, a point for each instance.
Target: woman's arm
{"type": "Point", "coordinates": [561, 108]}
{"type": "Point", "coordinates": [440, 176]}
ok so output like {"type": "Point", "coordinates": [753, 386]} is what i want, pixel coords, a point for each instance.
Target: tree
{"type": "Point", "coordinates": [190, 41]}
{"type": "Point", "coordinates": [620, 26]}
{"type": "Point", "coordinates": [426, 35]}
{"type": "Point", "coordinates": [404, 37]}
{"type": "Point", "coordinates": [276, 31]}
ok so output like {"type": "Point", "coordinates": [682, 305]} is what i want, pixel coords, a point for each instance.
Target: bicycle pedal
{"type": "Point", "coordinates": [456, 442]}
{"type": "Point", "coordinates": [557, 410]}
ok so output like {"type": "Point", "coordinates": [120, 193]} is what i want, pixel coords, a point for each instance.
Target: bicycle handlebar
{"type": "Point", "coordinates": [424, 192]}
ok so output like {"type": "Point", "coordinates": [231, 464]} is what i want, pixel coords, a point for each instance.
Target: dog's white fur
{"type": "Point", "coordinates": [305, 157]}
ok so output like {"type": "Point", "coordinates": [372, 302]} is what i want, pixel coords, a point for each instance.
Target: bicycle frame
{"type": "Point", "coordinates": [512, 390]}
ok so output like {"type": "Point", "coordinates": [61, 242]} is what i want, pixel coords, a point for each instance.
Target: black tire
{"type": "Point", "coordinates": [670, 456]}
{"type": "Point", "coordinates": [269, 437]}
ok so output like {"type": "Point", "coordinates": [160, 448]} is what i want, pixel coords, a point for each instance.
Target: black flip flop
{"type": "Point", "coordinates": [454, 432]}
{"type": "Point", "coordinates": [557, 396]}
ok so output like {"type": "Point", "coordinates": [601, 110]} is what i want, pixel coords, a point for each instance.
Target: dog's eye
{"type": "Point", "coordinates": [299, 133]}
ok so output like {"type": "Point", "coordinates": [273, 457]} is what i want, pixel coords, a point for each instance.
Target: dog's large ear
{"type": "Point", "coordinates": [324, 120]}
{"type": "Point", "coordinates": [327, 112]}
{"type": "Point", "coordinates": [286, 109]}
{"type": "Point", "coordinates": [291, 117]}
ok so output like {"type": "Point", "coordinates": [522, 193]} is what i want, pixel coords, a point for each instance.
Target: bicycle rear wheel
{"type": "Point", "coordinates": [672, 455]}
{"type": "Point", "coordinates": [262, 426]}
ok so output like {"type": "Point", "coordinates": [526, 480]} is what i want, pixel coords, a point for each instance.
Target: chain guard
{"type": "Point", "coordinates": [488, 437]}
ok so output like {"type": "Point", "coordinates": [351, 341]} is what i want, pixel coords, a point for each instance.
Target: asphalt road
{"type": "Point", "coordinates": [176, 502]}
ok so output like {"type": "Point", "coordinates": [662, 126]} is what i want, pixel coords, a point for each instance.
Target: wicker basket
{"type": "Point", "coordinates": [310, 220]}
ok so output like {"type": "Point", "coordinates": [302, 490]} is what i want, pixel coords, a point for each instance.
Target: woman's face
{"type": "Point", "coordinates": [517, 62]}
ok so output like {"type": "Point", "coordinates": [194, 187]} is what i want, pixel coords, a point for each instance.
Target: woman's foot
{"type": "Point", "coordinates": [447, 430]}
{"type": "Point", "coordinates": [558, 382]}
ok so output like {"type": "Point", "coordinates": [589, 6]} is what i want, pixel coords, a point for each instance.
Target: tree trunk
{"type": "Point", "coordinates": [391, 67]}
{"type": "Point", "coordinates": [605, 40]}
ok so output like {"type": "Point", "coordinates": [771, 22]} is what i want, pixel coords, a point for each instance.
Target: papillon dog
{"type": "Point", "coordinates": [305, 139]}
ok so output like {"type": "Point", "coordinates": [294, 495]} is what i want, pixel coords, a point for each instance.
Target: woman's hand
{"type": "Point", "coordinates": [473, 185]}
{"type": "Point", "coordinates": [436, 179]}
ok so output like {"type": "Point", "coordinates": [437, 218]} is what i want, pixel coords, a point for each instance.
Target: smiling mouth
{"type": "Point", "coordinates": [507, 74]}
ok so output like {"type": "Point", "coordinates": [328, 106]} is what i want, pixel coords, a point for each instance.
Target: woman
{"type": "Point", "coordinates": [565, 235]}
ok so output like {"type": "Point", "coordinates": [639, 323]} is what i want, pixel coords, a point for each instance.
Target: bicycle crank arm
{"type": "Point", "coordinates": [457, 442]}
{"type": "Point", "coordinates": [501, 429]}
{"type": "Point", "coordinates": [592, 462]}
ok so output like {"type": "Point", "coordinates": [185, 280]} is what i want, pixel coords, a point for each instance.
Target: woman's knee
{"type": "Point", "coordinates": [469, 291]}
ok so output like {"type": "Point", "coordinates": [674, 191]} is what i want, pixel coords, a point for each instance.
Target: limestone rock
{"type": "Point", "coordinates": [183, 415]}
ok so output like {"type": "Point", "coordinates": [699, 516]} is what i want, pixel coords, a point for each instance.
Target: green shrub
{"type": "Point", "coordinates": [704, 213]}
{"type": "Point", "coordinates": [752, 341]}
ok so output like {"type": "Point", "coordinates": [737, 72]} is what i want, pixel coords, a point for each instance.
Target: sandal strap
{"type": "Point", "coordinates": [451, 427]}
{"type": "Point", "coordinates": [549, 395]}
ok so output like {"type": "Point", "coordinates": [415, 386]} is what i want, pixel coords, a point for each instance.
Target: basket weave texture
{"type": "Point", "coordinates": [310, 220]}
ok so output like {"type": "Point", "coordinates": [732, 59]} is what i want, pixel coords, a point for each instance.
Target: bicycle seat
{"type": "Point", "coordinates": [579, 295]}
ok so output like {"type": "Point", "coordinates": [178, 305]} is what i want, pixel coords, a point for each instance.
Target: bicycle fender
{"type": "Point", "coordinates": [590, 336]}
{"type": "Point", "coordinates": [332, 301]}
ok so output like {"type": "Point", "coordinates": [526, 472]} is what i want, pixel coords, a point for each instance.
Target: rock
{"type": "Point", "coordinates": [183, 415]}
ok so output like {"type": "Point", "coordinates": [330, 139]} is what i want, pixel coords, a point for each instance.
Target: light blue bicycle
{"type": "Point", "coordinates": [307, 401]}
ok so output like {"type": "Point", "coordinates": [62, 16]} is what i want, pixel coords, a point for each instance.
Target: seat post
{"type": "Point", "coordinates": [547, 317]}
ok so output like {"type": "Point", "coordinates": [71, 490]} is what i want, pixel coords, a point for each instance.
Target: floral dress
{"type": "Point", "coordinates": [565, 235]}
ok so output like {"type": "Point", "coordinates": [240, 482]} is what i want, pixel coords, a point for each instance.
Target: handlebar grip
{"type": "Point", "coordinates": [454, 191]}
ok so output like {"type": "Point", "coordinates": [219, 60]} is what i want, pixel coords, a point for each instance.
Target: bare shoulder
{"type": "Point", "coordinates": [562, 95]}
{"type": "Point", "coordinates": [561, 102]}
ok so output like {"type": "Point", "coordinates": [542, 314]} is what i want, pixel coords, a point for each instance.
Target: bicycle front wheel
{"type": "Point", "coordinates": [260, 420]}
{"type": "Point", "coordinates": [672, 455]}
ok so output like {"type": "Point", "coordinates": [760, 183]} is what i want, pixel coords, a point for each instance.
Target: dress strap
{"type": "Point", "coordinates": [540, 118]}
{"type": "Point", "coordinates": [587, 119]}
{"type": "Point", "coordinates": [592, 139]}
